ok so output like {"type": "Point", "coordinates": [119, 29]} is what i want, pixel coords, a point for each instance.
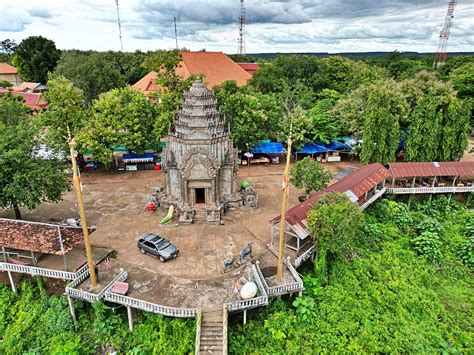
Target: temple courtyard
{"type": "Point", "coordinates": [116, 205]}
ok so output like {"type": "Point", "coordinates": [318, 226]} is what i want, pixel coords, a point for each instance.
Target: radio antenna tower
{"type": "Point", "coordinates": [175, 33]}
{"type": "Point", "coordinates": [241, 49]}
{"type": "Point", "coordinates": [119, 25]}
{"type": "Point", "coordinates": [440, 56]}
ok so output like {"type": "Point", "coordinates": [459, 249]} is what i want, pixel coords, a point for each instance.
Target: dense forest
{"type": "Point", "coordinates": [406, 284]}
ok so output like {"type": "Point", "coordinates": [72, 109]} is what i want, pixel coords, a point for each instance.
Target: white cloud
{"type": "Point", "coordinates": [273, 26]}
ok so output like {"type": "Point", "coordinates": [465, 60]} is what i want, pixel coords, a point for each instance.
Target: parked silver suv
{"type": "Point", "coordinates": [157, 246]}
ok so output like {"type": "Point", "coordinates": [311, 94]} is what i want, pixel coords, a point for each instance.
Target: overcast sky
{"type": "Point", "coordinates": [272, 25]}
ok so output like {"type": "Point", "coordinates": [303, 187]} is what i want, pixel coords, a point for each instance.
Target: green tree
{"type": "Point", "coordinates": [91, 72]}
{"type": "Point", "coordinates": [5, 84]}
{"type": "Point", "coordinates": [386, 106]}
{"type": "Point", "coordinates": [335, 224]}
{"type": "Point", "coordinates": [8, 46]}
{"type": "Point", "coordinates": [121, 117]}
{"type": "Point", "coordinates": [324, 126]}
{"type": "Point", "coordinates": [252, 117]}
{"type": "Point", "coordinates": [463, 80]}
{"type": "Point", "coordinates": [310, 175]}
{"type": "Point", "coordinates": [26, 180]}
{"type": "Point", "coordinates": [66, 114]}
{"type": "Point", "coordinates": [35, 57]}
{"type": "Point", "coordinates": [172, 87]}
{"type": "Point", "coordinates": [405, 68]}
{"type": "Point", "coordinates": [439, 121]}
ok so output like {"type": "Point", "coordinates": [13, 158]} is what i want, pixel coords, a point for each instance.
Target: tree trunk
{"type": "Point", "coordinates": [17, 211]}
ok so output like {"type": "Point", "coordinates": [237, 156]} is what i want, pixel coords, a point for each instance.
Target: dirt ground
{"type": "Point", "coordinates": [115, 204]}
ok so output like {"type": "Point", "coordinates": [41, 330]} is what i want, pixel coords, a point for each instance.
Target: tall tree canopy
{"type": "Point", "coordinates": [439, 121]}
{"type": "Point", "coordinates": [26, 180]}
{"type": "Point", "coordinates": [374, 113]}
{"type": "Point", "coordinates": [35, 57]}
{"type": "Point", "coordinates": [386, 106]}
{"type": "Point", "coordinates": [91, 72]}
{"type": "Point", "coordinates": [66, 113]}
{"type": "Point", "coordinates": [121, 117]}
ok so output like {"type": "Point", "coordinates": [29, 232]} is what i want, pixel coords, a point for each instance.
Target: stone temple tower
{"type": "Point", "coordinates": [200, 161]}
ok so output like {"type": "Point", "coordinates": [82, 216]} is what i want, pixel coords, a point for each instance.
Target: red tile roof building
{"type": "Point", "coordinates": [216, 68]}
{"type": "Point", "coordinates": [432, 169]}
{"type": "Point", "coordinates": [359, 186]}
{"type": "Point", "coordinates": [250, 68]}
{"type": "Point", "coordinates": [34, 101]}
{"type": "Point", "coordinates": [43, 238]}
{"type": "Point", "coordinates": [9, 73]}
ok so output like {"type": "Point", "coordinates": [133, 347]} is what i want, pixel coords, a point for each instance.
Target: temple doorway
{"type": "Point", "coordinates": [200, 195]}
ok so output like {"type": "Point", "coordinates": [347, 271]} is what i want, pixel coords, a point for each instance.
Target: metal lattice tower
{"type": "Point", "coordinates": [441, 52]}
{"type": "Point", "coordinates": [119, 25]}
{"type": "Point", "coordinates": [241, 49]}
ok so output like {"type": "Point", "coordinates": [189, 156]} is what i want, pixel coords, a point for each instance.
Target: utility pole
{"type": "Point", "coordinates": [119, 25]}
{"type": "Point", "coordinates": [176, 33]}
{"type": "Point", "coordinates": [281, 248]}
{"type": "Point", "coordinates": [85, 230]}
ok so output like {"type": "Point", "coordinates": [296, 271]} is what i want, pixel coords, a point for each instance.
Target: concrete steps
{"type": "Point", "coordinates": [212, 333]}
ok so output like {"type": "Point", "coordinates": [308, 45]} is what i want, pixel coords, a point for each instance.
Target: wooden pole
{"type": "Point", "coordinates": [82, 213]}
{"type": "Point", "coordinates": [283, 213]}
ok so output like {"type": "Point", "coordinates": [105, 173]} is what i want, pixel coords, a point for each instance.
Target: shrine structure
{"type": "Point", "coordinates": [200, 161]}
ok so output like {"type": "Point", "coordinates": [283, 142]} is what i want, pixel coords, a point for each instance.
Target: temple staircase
{"type": "Point", "coordinates": [213, 333]}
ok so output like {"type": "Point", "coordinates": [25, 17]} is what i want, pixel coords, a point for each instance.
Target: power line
{"type": "Point", "coordinates": [119, 25]}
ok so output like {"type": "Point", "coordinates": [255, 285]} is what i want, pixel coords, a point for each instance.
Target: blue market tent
{"type": "Point", "coordinates": [335, 145]}
{"type": "Point", "coordinates": [268, 148]}
{"type": "Point", "coordinates": [311, 148]}
{"type": "Point", "coordinates": [138, 158]}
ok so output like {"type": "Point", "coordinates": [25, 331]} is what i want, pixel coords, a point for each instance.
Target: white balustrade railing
{"type": "Point", "coordinates": [373, 198]}
{"type": "Point", "coordinates": [38, 271]}
{"type": "Point", "coordinates": [150, 307]}
{"type": "Point", "coordinates": [305, 256]}
{"type": "Point", "coordinates": [253, 302]}
{"type": "Point", "coordinates": [290, 287]}
{"type": "Point", "coordinates": [72, 291]}
{"type": "Point", "coordinates": [429, 190]}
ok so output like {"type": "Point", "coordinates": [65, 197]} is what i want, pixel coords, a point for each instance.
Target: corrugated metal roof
{"type": "Point", "coordinates": [39, 237]}
{"type": "Point", "coordinates": [357, 183]}
{"type": "Point", "coordinates": [431, 169]}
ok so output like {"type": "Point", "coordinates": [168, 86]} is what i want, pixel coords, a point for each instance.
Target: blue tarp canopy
{"type": "Point", "coordinates": [138, 158]}
{"type": "Point", "coordinates": [335, 145]}
{"type": "Point", "coordinates": [311, 148]}
{"type": "Point", "coordinates": [268, 148]}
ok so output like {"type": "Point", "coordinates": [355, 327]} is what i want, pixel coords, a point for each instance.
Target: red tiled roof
{"type": "Point", "coordinates": [359, 182]}
{"type": "Point", "coordinates": [34, 101]}
{"type": "Point", "coordinates": [215, 66]}
{"type": "Point", "coordinates": [250, 68]}
{"type": "Point", "coordinates": [430, 169]}
{"type": "Point", "coordinates": [39, 237]}
{"type": "Point", "coordinates": [6, 68]}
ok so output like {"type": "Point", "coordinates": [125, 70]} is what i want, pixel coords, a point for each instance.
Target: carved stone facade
{"type": "Point", "coordinates": [200, 161]}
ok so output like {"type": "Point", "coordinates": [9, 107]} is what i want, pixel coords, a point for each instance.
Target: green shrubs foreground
{"type": "Point", "coordinates": [408, 290]}
{"type": "Point", "coordinates": [33, 322]}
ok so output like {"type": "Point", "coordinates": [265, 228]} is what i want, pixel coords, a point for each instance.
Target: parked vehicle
{"type": "Point", "coordinates": [90, 166]}
{"type": "Point", "coordinates": [159, 247]}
